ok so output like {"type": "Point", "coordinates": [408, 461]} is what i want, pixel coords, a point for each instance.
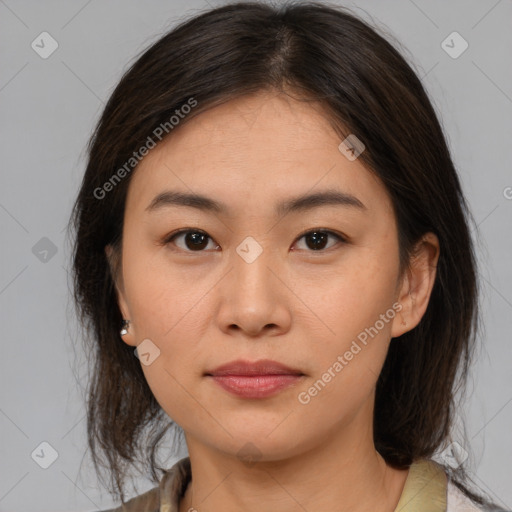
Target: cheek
{"type": "Point", "coordinates": [164, 299]}
{"type": "Point", "coordinates": [173, 388]}
{"type": "Point", "coordinates": [169, 311]}
{"type": "Point", "coordinates": [346, 370]}
{"type": "Point", "coordinates": [352, 298]}
{"type": "Point", "coordinates": [355, 317]}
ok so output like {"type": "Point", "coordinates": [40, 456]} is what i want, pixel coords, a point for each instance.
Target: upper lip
{"type": "Point", "coordinates": [261, 367]}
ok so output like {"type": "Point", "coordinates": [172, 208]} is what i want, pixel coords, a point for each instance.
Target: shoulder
{"type": "Point", "coordinates": [457, 501]}
{"type": "Point", "coordinates": [147, 502]}
{"type": "Point", "coordinates": [165, 496]}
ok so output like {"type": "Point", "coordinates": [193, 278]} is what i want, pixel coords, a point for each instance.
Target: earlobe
{"type": "Point", "coordinates": [126, 333]}
{"type": "Point", "coordinates": [417, 285]}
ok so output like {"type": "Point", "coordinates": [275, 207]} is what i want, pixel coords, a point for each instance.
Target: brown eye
{"type": "Point", "coordinates": [192, 240]}
{"type": "Point", "coordinates": [316, 240]}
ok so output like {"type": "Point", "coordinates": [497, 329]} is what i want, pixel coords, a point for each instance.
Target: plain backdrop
{"type": "Point", "coordinates": [48, 109]}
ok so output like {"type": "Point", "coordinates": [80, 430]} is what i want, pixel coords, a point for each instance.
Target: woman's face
{"type": "Point", "coordinates": [251, 286]}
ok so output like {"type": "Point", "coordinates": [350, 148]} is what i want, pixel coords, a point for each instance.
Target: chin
{"type": "Point", "coordinates": [258, 446]}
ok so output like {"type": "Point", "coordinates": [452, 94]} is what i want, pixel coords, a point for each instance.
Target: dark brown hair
{"type": "Point", "coordinates": [313, 52]}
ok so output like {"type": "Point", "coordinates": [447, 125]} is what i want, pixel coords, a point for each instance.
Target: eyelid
{"type": "Point", "coordinates": [168, 238]}
{"type": "Point", "coordinates": [342, 238]}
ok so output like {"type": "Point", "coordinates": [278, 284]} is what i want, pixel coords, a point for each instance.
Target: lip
{"type": "Point", "coordinates": [259, 379]}
{"type": "Point", "coordinates": [248, 368]}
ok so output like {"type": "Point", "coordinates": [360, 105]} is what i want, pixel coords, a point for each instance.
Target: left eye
{"type": "Point", "coordinates": [197, 241]}
{"type": "Point", "coordinates": [318, 238]}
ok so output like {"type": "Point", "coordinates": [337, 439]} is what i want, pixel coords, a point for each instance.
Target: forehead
{"type": "Point", "coordinates": [250, 149]}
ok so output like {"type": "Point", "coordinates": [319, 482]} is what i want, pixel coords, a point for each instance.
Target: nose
{"type": "Point", "coordinates": [254, 298]}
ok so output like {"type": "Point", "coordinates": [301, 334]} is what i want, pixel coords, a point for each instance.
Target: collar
{"type": "Point", "coordinates": [424, 490]}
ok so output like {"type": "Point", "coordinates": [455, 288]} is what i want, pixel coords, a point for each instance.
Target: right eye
{"type": "Point", "coordinates": [194, 240]}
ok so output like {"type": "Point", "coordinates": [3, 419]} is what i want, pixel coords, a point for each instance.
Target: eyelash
{"type": "Point", "coordinates": [170, 238]}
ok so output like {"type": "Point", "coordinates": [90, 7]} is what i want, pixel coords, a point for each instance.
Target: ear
{"type": "Point", "coordinates": [117, 278]}
{"type": "Point", "coordinates": [417, 285]}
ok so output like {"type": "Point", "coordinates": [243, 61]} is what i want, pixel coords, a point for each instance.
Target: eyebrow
{"type": "Point", "coordinates": [329, 197]}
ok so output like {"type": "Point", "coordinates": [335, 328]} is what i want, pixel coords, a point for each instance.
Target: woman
{"type": "Point", "coordinates": [273, 258]}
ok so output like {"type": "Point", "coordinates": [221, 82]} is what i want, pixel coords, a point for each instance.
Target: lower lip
{"type": "Point", "coordinates": [256, 386]}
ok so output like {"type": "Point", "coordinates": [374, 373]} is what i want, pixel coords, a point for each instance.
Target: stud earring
{"type": "Point", "coordinates": [124, 330]}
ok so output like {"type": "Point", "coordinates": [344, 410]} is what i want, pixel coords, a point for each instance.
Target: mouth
{"type": "Point", "coordinates": [258, 379]}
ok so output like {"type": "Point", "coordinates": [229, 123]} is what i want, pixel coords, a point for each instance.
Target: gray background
{"type": "Point", "coordinates": [48, 110]}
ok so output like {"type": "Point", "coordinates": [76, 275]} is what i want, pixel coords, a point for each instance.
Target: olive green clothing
{"type": "Point", "coordinates": [426, 489]}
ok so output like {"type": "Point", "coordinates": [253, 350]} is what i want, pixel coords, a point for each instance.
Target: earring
{"type": "Point", "coordinates": [124, 330]}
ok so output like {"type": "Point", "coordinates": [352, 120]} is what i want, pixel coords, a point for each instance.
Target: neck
{"type": "Point", "coordinates": [344, 473]}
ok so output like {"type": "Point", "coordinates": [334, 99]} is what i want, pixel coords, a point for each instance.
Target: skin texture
{"type": "Point", "coordinates": [293, 304]}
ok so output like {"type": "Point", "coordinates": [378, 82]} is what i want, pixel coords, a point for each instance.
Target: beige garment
{"type": "Point", "coordinates": [425, 490]}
